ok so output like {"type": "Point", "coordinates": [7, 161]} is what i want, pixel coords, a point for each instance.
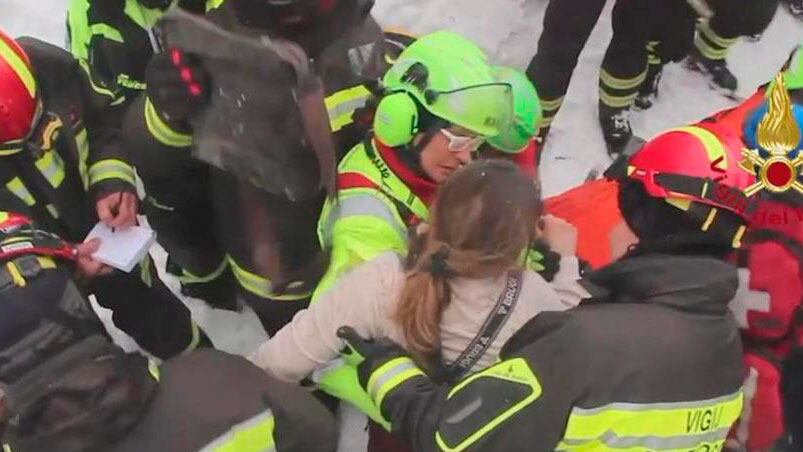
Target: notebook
{"type": "Point", "coordinates": [122, 248]}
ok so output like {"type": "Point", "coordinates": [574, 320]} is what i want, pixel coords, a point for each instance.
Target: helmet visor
{"type": "Point", "coordinates": [486, 109]}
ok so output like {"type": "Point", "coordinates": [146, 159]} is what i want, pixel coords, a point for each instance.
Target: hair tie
{"type": "Point", "coordinates": [438, 265]}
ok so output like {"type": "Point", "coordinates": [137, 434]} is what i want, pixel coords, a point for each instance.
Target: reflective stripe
{"type": "Point", "coordinates": [190, 278]}
{"type": "Point", "coordinates": [16, 275]}
{"type": "Point", "coordinates": [142, 16]}
{"type": "Point", "coordinates": [621, 83]}
{"type": "Point", "coordinates": [100, 89]}
{"type": "Point", "coordinates": [82, 143]}
{"type": "Point", "coordinates": [125, 81]}
{"type": "Point", "coordinates": [616, 101]}
{"type": "Point", "coordinates": [111, 169]}
{"type": "Point", "coordinates": [19, 66]}
{"type": "Point", "coordinates": [552, 104]}
{"type": "Point", "coordinates": [712, 145]}
{"type": "Point", "coordinates": [515, 371]}
{"type": "Point", "coordinates": [708, 50]}
{"type": "Point", "coordinates": [196, 338]}
{"type": "Point", "coordinates": [45, 262]}
{"type": "Point", "coordinates": [52, 167]}
{"type": "Point", "coordinates": [659, 426]}
{"type": "Point", "coordinates": [709, 219]}
{"type": "Point", "coordinates": [342, 104]}
{"type": "Point", "coordinates": [612, 441]}
{"type": "Point", "coordinates": [161, 131]}
{"type": "Point", "coordinates": [253, 435]}
{"type": "Point", "coordinates": [107, 31]}
{"type": "Point", "coordinates": [364, 204]}
{"type": "Point", "coordinates": [20, 191]}
{"type": "Point", "coordinates": [712, 36]}
{"type": "Point", "coordinates": [260, 286]}
{"type": "Point", "coordinates": [145, 270]}
{"type": "Point", "coordinates": [212, 4]}
{"type": "Point", "coordinates": [153, 368]}
{"type": "Point", "coordinates": [11, 147]}
{"type": "Point", "coordinates": [389, 376]}
{"type": "Point", "coordinates": [53, 211]}
{"type": "Point", "coordinates": [6, 448]}
{"type": "Point", "coordinates": [78, 28]}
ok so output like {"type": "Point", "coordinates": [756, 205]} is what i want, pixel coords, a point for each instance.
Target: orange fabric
{"type": "Point", "coordinates": [593, 208]}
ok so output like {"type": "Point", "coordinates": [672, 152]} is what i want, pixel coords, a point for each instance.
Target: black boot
{"type": "Point", "coordinates": [615, 124]}
{"type": "Point", "coordinates": [649, 89]}
{"type": "Point", "coordinates": [795, 8]}
{"type": "Point", "coordinates": [716, 70]}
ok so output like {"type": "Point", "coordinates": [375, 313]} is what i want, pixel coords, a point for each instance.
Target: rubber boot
{"type": "Point", "coordinates": [615, 124]}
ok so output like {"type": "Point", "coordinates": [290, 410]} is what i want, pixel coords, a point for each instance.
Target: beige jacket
{"type": "Point", "coordinates": [366, 298]}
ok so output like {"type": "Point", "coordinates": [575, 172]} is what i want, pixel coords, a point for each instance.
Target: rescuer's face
{"type": "Point", "coordinates": [448, 150]}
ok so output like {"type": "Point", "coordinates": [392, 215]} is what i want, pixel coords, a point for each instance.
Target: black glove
{"type": "Point", "coordinates": [368, 355]}
{"type": "Point", "coordinates": [178, 84]}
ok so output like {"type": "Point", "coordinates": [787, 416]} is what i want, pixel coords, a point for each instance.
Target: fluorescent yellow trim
{"type": "Point", "coordinates": [46, 263]}
{"type": "Point", "coordinates": [680, 203]}
{"type": "Point", "coordinates": [713, 147]}
{"type": "Point", "coordinates": [107, 31]}
{"type": "Point", "coordinates": [163, 132]}
{"type": "Point", "coordinates": [737, 239]}
{"type": "Point", "coordinates": [20, 68]}
{"type": "Point", "coordinates": [516, 371]}
{"type": "Point", "coordinates": [616, 101]}
{"type": "Point", "coordinates": [621, 83]}
{"type": "Point", "coordinates": [111, 169]}
{"type": "Point", "coordinates": [710, 219]}
{"type": "Point", "coordinates": [16, 276]}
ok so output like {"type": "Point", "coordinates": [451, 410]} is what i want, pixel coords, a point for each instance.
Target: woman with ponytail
{"type": "Point", "coordinates": [462, 270]}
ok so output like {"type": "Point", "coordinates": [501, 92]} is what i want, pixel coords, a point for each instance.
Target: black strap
{"type": "Point", "coordinates": [487, 334]}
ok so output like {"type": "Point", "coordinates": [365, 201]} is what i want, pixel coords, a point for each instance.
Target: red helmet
{"type": "Point", "coordinates": [18, 92]}
{"type": "Point", "coordinates": [696, 169]}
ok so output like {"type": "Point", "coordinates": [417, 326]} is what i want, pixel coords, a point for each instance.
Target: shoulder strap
{"type": "Point", "coordinates": [489, 331]}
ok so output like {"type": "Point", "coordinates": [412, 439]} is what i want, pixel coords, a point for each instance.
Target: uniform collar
{"type": "Point", "coordinates": [423, 187]}
{"type": "Point", "coordinates": [686, 283]}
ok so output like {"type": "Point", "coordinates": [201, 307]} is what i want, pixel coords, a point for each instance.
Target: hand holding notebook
{"type": "Point", "coordinates": [122, 248]}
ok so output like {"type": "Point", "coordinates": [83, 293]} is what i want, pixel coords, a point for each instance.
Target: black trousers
{"type": "Point", "coordinates": [662, 29]}
{"type": "Point", "coordinates": [567, 26]}
{"type": "Point", "coordinates": [729, 23]}
{"type": "Point", "coordinates": [219, 238]}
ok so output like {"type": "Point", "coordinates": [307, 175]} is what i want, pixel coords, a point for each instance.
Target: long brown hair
{"type": "Point", "coordinates": [483, 219]}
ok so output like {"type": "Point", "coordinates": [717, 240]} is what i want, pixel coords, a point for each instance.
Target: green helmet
{"type": "Point", "coordinates": [527, 112]}
{"type": "Point", "coordinates": [451, 78]}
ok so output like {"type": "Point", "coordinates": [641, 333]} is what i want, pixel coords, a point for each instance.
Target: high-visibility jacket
{"type": "Point", "coordinates": [652, 362]}
{"type": "Point", "coordinates": [346, 66]}
{"type": "Point", "coordinates": [370, 214]}
{"type": "Point", "coordinates": [115, 37]}
{"type": "Point", "coordinates": [73, 155]}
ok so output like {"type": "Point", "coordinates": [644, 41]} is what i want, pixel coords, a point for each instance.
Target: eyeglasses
{"type": "Point", "coordinates": [460, 143]}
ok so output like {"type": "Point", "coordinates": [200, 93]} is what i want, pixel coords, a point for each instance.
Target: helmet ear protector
{"type": "Point", "coordinates": [397, 118]}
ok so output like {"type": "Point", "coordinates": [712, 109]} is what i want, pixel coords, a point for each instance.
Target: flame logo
{"type": "Point", "coordinates": [779, 134]}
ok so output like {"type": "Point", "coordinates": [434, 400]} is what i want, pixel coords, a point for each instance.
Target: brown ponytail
{"type": "Point", "coordinates": [482, 221]}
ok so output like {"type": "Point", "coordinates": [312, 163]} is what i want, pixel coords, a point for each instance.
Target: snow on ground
{"type": "Point", "coordinates": [508, 30]}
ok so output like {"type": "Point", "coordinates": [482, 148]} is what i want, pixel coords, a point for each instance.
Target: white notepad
{"type": "Point", "coordinates": [122, 248]}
